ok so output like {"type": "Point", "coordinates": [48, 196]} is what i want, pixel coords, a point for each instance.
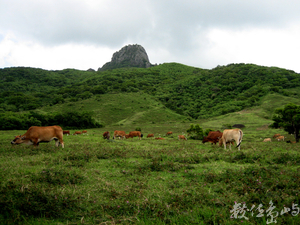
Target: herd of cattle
{"type": "Point", "coordinates": [35, 135]}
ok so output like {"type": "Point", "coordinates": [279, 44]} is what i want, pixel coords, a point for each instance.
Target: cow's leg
{"type": "Point", "coordinates": [35, 142]}
{"type": "Point", "coordinates": [224, 143]}
{"type": "Point", "coordinates": [56, 142]}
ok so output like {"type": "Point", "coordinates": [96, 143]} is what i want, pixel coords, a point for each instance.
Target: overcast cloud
{"type": "Point", "coordinates": [84, 34]}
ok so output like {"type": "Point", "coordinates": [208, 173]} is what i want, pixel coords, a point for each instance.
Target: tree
{"type": "Point", "coordinates": [289, 119]}
{"type": "Point", "coordinates": [196, 132]}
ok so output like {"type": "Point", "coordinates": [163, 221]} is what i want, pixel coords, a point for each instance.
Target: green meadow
{"type": "Point", "coordinates": [148, 181]}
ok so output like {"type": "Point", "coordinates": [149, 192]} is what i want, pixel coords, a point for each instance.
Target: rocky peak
{"type": "Point", "coordinates": [128, 56]}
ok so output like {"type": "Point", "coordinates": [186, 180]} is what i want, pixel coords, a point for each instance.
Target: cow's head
{"type": "Point", "coordinates": [18, 140]}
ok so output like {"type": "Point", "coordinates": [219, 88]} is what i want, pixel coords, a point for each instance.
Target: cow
{"type": "Point", "coordinates": [231, 135]}
{"type": "Point", "coordinates": [34, 135]}
{"type": "Point", "coordinates": [77, 133]}
{"type": "Point", "coordinates": [280, 138]}
{"type": "Point", "coordinates": [84, 132]}
{"type": "Point", "coordinates": [67, 132]}
{"type": "Point", "coordinates": [267, 140]}
{"type": "Point", "coordinates": [106, 135]}
{"type": "Point", "coordinates": [119, 133]}
{"type": "Point", "coordinates": [134, 134]}
{"type": "Point", "coordinates": [182, 137]}
{"type": "Point", "coordinates": [150, 135]}
{"type": "Point", "coordinates": [276, 135]}
{"type": "Point", "coordinates": [212, 137]}
{"type": "Point", "coordinates": [169, 133]}
{"type": "Point", "coordinates": [159, 138]}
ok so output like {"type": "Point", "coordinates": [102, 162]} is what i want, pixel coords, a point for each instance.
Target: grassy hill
{"type": "Point", "coordinates": [121, 109]}
{"type": "Point", "coordinates": [164, 93]}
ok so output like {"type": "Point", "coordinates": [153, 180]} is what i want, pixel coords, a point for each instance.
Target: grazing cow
{"type": "Point", "coordinates": [231, 135]}
{"type": "Point", "coordinates": [77, 133]}
{"type": "Point", "coordinates": [276, 135]}
{"type": "Point", "coordinates": [119, 133]}
{"type": "Point", "coordinates": [159, 138]}
{"type": "Point", "coordinates": [84, 132]}
{"type": "Point", "coordinates": [169, 133]}
{"type": "Point", "coordinates": [212, 137]}
{"type": "Point", "coordinates": [106, 135]}
{"type": "Point", "coordinates": [35, 135]}
{"type": "Point", "coordinates": [150, 135]}
{"type": "Point", "coordinates": [267, 139]}
{"type": "Point", "coordinates": [134, 134]}
{"type": "Point", "coordinates": [67, 132]}
{"type": "Point", "coordinates": [280, 138]}
{"type": "Point", "coordinates": [182, 137]}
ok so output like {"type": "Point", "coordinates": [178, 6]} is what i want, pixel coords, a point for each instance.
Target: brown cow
{"type": "Point", "coordinates": [119, 133]}
{"type": "Point", "coordinates": [77, 133]}
{"type": "Point", "coordinates": [106, 135]}
{"type": "Point", "coordinates": [150, 135]}
{"type": "Point", "coordinates": [159, 138]}
{"type": "Point", "coordinates": [276, 135]}
{"type": "Point", "coordinates": [35, 135]}
{"type": "Point", "coordinates": [169, 133]}
{"type": "Point", "coordinates": [231, 135]}
{"type": "Point", "coordinates": [134, 134]}
{"type": "Point", "coordinates": [182, 137]}
{"type": "Point", "coordinates": [212, 137]}
{"type": "Point", "coordinates": [267, 140]}
{"type": "Point", "coordinates": [84, 132]}
{"type": "Point", "coordinates": [67, 132]}
{"type": "Point", "coordinates": [280, 138]}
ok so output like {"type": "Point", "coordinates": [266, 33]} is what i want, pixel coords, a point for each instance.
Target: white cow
{"type": "Point", "coordinates": [267, 139]}
{"type": "Point", "coordinates": [231, 135]}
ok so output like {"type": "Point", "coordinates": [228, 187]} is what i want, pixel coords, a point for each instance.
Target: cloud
{"type": "Point", "coordinates": [193, 32]}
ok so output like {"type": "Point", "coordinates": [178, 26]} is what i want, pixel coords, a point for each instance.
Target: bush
{"type": "Point", "coordinates": [196, 132]}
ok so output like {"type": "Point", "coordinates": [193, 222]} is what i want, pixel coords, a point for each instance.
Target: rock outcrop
{"type": "Point", "coordinates": [128, 56]}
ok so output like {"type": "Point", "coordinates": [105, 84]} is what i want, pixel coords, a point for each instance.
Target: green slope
{"type": "Point", "coordinates": [121, 109]}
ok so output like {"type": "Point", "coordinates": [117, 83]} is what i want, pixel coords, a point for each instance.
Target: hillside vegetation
{"type": "Point", "coordinates": [167, 92]}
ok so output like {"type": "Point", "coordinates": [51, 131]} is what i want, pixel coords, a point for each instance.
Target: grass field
{"type": "Point", "coordinates": [95, 181]}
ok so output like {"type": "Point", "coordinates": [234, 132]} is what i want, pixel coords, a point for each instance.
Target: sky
{"type": "Point", "coordinates": [84, 34]}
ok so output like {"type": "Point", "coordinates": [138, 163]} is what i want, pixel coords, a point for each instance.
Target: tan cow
{"type": "Point", "coordinates": [119, 133]}
{"type": "Point", "coordinates": [267, 139]}
{"type": "Point", "coordinates": [182, 137]}
{"type": "Point", "coordinates": [84, 132]}
{"type": "Point", "coordinates": [150, 135]}
{"type": "Point", "coordinates": [276, 135]}
{"type": "Point", "coordinates": [280, 138]}
{"type": "Point", "coordinates": [106, 135]}
{"type": "Point", "coordinates": [77, 133]}
{"type": "Point", "coordinates": [134, 134]}
{"type": "Point", "coordinates": [35, 135]}
{"type": "Point", "coordinates": [231, 135]}
{"type": "Point", "coordinates": [67, 132]}
{"type": "Point", "coordinates": [169, 133]}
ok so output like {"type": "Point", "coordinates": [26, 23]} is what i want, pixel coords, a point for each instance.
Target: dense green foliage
{"type": "Point", "coordinates": [189, 91]}
{"type": "Point", "coordinates": [195, 132]}
{"type": "Point", "coordinates": [289, 119]}
{"type": "Point", "coordinates": [22, 121]}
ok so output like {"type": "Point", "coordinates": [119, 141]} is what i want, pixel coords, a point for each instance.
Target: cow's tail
{"type": "Point", "coordinates": [240, 138]}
